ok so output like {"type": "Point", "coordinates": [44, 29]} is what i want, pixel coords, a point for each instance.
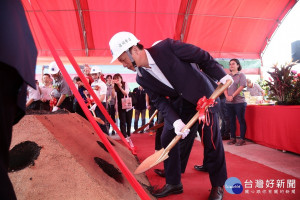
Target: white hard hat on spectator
{"type": "Point", "coordinates": [120, 43]}
{"type": "Point", "coordinates": [95, 70]}
{"type": "Point", "coordinates": [53, 68]}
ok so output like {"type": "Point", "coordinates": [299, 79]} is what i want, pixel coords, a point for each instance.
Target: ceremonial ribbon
{"type": "Point", "coordinates": [89, 101]}
{"type": "Point", "coordinates": [52, 102]}
{"type": "Point", "coordinates": [202, 106]}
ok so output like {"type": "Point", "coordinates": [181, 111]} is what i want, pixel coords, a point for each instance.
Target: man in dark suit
{"type": "Point", "coordinates": [165, 70]}
{"type": "Point", "coordinates": [17, 69]}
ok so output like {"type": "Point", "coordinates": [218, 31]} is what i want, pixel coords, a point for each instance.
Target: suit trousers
{"type": "Point", "coordinates": [10, 82]}
{"type": "Point", "coordinates": [178, 156]}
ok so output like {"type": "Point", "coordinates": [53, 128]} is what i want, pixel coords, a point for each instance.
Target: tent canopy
{"type": "Point", "coordinates": [226, 28]}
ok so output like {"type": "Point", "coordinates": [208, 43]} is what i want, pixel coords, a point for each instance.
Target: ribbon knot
{"type": "Point", "coordinates": [89, 101]}
{"type": "Point", "coordinates": [202, 106]}
{"type": "Point", "coordinates": [52, 102]}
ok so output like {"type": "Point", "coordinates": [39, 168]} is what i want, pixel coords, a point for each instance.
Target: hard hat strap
{"type": "Point", "coordinates": [131, 58]}
{"type": "Point", "coordinates": [133, 63]}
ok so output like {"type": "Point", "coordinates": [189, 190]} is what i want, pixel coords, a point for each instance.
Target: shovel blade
{"type": "Point", "coordinates": [151, 161]}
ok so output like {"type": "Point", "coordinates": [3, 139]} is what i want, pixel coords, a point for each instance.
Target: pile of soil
{"type": "Point", "coordinates": [71, 163]}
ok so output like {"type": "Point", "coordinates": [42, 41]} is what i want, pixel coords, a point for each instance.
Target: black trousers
{"type": "Point", "coordinates": [101, 116]}
{"type": "Point", "coordinates": [160, 119]}
{"type": "Point", "coordinates": [125, 121]}
{"type": "Point", "coordinates": [45, 105]}
{"type": "Point", "coordinates": [178, 156]}
{"type": "Point", "coordinates": [151, 111]}
{"type": "Point", "coordinates": [77, 108]}
{"type": "Point", "coordinates": [67, 104]}
{"type": "Point", "coordinates": [112, 113]}
{"type": "Point", "coordinates": [225, 127]}
{"type": "Point", "coordinates": [10, 82]}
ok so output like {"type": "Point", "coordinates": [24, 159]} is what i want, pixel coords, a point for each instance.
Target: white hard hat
{"type": "Point", "coordinates": [95, 70]}
{"type": "Point", "coordinates": [120, 43]}
{"type": "Point", "coordinates": [53, 68]}
{"type": "Point", "coordinates": [155, 43]}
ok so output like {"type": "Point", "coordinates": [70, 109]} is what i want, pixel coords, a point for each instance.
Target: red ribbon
{"type": "Point", "coordinates": [52, 102]}
{"type": "Point", "coordinates": [202, 106]}
{"type": "Point", "coordinates": [89, 101]}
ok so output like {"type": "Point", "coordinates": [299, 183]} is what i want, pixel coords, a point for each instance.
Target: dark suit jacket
{"type": "Point", "coordinates": [17, 47]}
{"type": "Point", "coordinates": [174, 58]}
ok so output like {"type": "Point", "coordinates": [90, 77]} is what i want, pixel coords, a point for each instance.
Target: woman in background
{"type": "Point", "coordinates": [235, 102]}
{"type": "Point", "coordinates": [125, 115]}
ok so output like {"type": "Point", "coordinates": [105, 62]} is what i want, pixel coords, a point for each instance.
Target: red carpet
{"type": "Point", "coordinates": [196, 184]}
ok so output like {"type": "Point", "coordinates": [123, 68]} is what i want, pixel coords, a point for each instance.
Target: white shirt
{"type": "Point", "coordinates": [46, 92]}
{"type": "Point", "coordinates": [33, 94]}
{"type": "Point", "coordinates": [102, 90]}
{"type": "Point", "coordinates": [155, 71]}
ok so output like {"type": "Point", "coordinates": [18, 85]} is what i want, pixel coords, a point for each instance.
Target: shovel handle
{"type": "Point", "coordinates": [219, 90]}
{"type": "Point", "coordinates": [153, 115]}
{"type": "Point", "coordinates": [150, 120]}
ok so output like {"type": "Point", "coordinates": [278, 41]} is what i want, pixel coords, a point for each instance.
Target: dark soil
{"type": "Point", "coordinates": [109, 169]}
{"type": "Point", "coordinates": [23, 155]}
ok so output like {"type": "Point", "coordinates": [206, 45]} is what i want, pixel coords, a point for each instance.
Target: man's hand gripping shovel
{"type": "Point", "coordinates": [162, 154]}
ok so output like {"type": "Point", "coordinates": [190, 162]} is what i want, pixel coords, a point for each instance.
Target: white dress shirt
{"type": "Point", "coordinates": [155, 71]}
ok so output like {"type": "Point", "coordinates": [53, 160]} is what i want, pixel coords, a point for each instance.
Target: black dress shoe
{"type": "Point", "coordinates": [160, 172]}
{"type": "Point", "coordinates": [216, 193]}
{"type": "Point", "coordinates": [167, 190]}
{"type": "Point", "coordinates": [200, 168]}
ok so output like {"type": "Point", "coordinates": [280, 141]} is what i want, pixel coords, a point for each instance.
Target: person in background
{"type": "Point", "coordinates": [110, 101]}
{"type": "Point", "coordinates": [34, 96]}
{"type": "Point", "coordinates": [86, 72]}
{"type": "Point", "coordinates": [46, 90]}
{"type": "Point", "coordinates": [61, 90]}
{"type": "Point", "coordinates": [254, 89]}
{"type": "Point", "coordinates": [100, 90]}
{"type": "Point", "coordinates": [235, 102]}
{"type": "Point", "coordinates": [82, 91]}
{"type": "Point", "coordinates": [140, 107]}
{"type": "Point", "coordinates": [125, 115]}
{"type": "Point", "coordinates": [18, 55]}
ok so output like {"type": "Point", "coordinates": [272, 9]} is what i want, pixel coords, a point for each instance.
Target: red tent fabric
{"type": "Point", "coordinates": [227, 28]}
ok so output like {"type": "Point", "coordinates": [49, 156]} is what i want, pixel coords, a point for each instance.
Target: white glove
{"type": "Point", "coordinates": [55, 108]}
{"type": "Point", "coordinates": [93, 108]}
{"type": "Point", "coordinates": [225, 78]}
{"type": "Point", "coordinates": [178, 126]}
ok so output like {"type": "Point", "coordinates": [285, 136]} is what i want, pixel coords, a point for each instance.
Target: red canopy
{"type": "Point", "coordinates": [225, 28]}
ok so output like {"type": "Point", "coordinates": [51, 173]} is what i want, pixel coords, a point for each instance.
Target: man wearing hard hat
{"type": "Point", "coordinates": [165, 70]}
{"type": "Point", "coordinates": [61, 90]}
{"type": "Point", "coordinates": [100, 90]}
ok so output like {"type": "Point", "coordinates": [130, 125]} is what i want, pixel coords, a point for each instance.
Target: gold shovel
{"type": "Point", "coordinates": [154, 128]}
{"type": "Point", "coordinates": [150, 120]}
{"type": "Point", "coordinates": [162, 154]}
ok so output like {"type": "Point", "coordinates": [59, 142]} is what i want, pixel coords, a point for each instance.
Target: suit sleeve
{"type": "Point", "coordinates": [193, 54]}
